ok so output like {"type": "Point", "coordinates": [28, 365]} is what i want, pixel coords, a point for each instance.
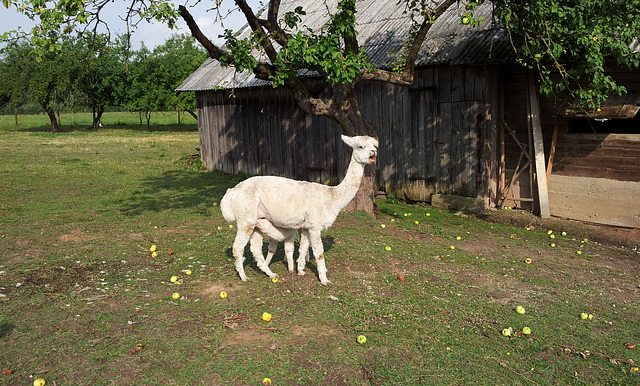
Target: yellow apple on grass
{"type": "Point", "coordinates": [520, 310]}
{"type": "Point", "coordinates": [39, 382]}
{"type": "Point", "coordinates": [362, 339]}
{"type": "Point", "coordinates": [175, 296]}
{"type": "Point", "coordinates": [266, 316]}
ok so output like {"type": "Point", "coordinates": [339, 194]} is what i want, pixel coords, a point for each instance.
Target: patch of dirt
{"type": "Point", "coordinates": [605, 234]}
{"type": "Point", "coordinates": [247, 337]}
{"type": "Point", "coordinates": [76, 237]}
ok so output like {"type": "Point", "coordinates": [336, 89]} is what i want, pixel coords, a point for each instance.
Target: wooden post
{"type": "Point", "coordinates": [552, 151]}
{"type": "Point", "coordinates": [538, 148]}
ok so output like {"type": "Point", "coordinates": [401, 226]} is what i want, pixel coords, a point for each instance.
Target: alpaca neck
{"type": "Point", "coordinates": [347, 189]}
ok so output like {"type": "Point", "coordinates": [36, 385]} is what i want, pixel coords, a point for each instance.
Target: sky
{"type": "Point", "coordinates": [152, 34]}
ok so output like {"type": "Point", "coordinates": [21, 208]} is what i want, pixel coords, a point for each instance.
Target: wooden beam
{"type": "Point", "coordinates": [538, 148]}
{"type": "Point", "coordinates": [552, 151]}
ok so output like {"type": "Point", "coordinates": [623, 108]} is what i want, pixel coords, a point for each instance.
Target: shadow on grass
{"type": "Point", "coordinates": [179, 189]}
{"type": "Point", "coordinates": [5, 329]}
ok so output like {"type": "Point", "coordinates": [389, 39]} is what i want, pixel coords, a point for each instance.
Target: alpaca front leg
{"type": "Point", "coordinates": [318, 253]}
{"type": "Point", "coordinates": [256, 250]}
{"type": "Point", "coordinates": [303, 251]}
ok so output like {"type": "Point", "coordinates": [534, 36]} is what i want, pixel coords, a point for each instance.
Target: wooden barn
{"type": "Point", "coordinates": [470, 125]}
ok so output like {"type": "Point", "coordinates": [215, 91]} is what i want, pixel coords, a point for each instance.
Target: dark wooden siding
{"type": "Point", "coordinates": [434, 136]}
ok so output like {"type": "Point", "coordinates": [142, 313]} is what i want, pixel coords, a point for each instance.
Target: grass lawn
{"type": "Point", "coordinates": [84, 302]}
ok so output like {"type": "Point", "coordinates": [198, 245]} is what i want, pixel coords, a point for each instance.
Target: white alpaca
{"type": "Point", "coordinates": [275, 234]}
{"type": "Point", "coordinates": [290, 204]}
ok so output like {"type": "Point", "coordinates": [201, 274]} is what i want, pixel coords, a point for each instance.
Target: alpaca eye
{"type": "Point", "coordinates": [360, 147]}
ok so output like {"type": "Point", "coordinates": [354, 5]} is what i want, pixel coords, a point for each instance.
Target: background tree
{"type": "Point", "coordinates": [12, 88]}
{"type": "Point", "coordinates": [179, 56]}
{"type": "Point", "coordinates": [102, 79]}
{"type": "Point", "coordinates": [46, 80]}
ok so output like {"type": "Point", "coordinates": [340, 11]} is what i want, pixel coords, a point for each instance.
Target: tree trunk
{"type": "Point", "coordinates": [52, 117]}
{"type": "Point", "coordinates": [97, 116]}
{"type": "Point", "coordinates": [15, 113]}
{"type": "Point", "coordinates": [352, 123]}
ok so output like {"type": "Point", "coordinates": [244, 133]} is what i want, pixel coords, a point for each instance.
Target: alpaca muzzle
{"type": "Point", "coordinates": [372, 157]}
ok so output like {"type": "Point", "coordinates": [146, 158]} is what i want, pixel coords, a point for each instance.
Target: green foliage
{"type": "Point", "coordinates": [579, 39]}
{"type": "Point", "coordinates": [97, 74]}
{"type": "Point", "coordinates": [323, 51]}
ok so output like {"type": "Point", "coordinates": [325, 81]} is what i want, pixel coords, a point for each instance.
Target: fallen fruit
{"type": "Point", "coordinates": [526, 331]}
{"type": "Point", "coordinates": [564, 233]}
{"type": "Point", "coordinates": [175, 296]}
{"type": "Point", "coordinates": [188, 272]}
{"type": "Point", "coordinates": [458, 238]}
{"type": "Point", "coordinates": [154, 254]}
{"type": "Point", "coordinates": [528, 260]}
{"type": "Point", "coordinates": [579, 252]}
{"type": "Point", "coordinates": [452, 247]}
{"type": "Point", "coordinates": [362, 339]}
{"type": "Point", "coordinates": [266, 382]}
{"type": "Point", "coordinates": [552, 245]}
{"type": "Point", "coordinates": [590, 317]}
{"type": "Point", "coordinates": [39, 382]}
{"type": "Point", "coordinates": [274, 280]}
{"type": "Point", "coordinates": [174, 279]}
{"type": "Point", "coordinates": [382, 226]}
{"type": "Point", "coordinates": [266, 316]}
{"type": "Point", "coordinates": [6, 372]}
{"type": "Point", "coordinates": [506, 332]}
{"type": "Point", "coordinates": [520, 310]}
{"type": "Point", "coordinates": [139, 347]}
{"type": "Point", "coordinates": [584, 316]}
{"type": "Point", "coordinates": [153, 248]}
{"type": "Point", "coordinates": [428, 214]}
{"type": "Point", "coordinates": [133, 351]}
{"type": "Point", "coordinates": [387, 248]}
{"type": "Point", "coordinates": [401, 277]}
{"type": "Point", "coordinates": [552, 236]}
{"type": "Point", "coordinates": [223, 294]}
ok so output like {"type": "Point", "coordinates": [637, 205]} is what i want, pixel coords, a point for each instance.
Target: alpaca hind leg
{"type": "Point", "coordinates": [273, 247]}
{"type": "Point", "coordinates": [318, 253]}
{"type": "Point", "coordinates": [289, 248]}
{"type": "Point", "coordinates": [242, 238]}
{"type": "Point", "coordinates": [256, 250]}
{"type": "Point", "coordinates": [303, 251]}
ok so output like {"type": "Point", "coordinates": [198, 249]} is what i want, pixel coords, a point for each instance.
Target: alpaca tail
{"type": "Point", "coordinates": [225, 206]}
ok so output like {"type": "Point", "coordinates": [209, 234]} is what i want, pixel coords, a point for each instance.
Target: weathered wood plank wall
{"type": "Point", "coordinates": [434, 136]}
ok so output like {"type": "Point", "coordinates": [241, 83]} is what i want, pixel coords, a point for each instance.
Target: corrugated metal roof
{"type": "Point", "coordinates": [383, 27]}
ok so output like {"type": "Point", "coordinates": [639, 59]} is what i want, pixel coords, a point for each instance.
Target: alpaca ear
{"type": "Point", "coordinates": [347, 140]}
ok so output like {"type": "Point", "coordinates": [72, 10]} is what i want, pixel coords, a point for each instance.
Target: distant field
{"type": "Point", "coordinates": [76, 121]}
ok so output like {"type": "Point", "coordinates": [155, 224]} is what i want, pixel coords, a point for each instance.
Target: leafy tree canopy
{"type": "Point", "coordinates": [577, 39]}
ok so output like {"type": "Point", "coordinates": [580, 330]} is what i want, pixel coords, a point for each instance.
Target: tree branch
{"type": "Point", "coordinates": [214, 51]}
{"type": "Point", "coordinates": [404, 79]}
{"type": "Point", "coordinates": [421, 35]}
{"type": "Point", "coordinates": [254, 23]}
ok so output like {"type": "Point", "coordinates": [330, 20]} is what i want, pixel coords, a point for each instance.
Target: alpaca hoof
{"type": "Point", "coordinates": [326, 283]}
{"type": "Point", "coordinates": [300, 273]}
{"type": "Point", "coordinates": [273, 275]}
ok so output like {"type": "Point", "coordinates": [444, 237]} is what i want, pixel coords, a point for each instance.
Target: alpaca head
{"type": "Point", "coordinates": [365, 149]}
